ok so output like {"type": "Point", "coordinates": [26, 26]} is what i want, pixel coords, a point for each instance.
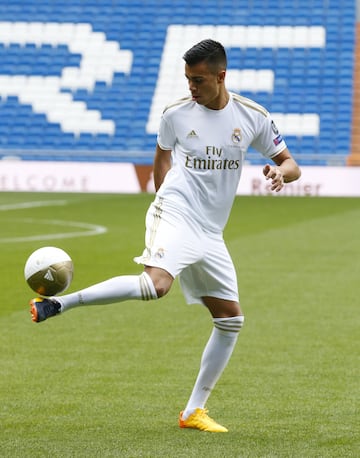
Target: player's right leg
{"type": "Point", "coordinates": [170, 246]}
{"type": "Point", "coordinates": [114, 290]}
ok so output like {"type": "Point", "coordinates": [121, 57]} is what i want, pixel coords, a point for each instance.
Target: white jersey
{"type": "Point", "coordinates": [208, 151]}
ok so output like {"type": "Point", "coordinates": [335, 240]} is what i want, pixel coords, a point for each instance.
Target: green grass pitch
{"type": "Point", "coordinates": [109, 381]}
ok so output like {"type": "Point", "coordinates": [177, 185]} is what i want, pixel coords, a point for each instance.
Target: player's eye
{"type": "Point", "coordinates": [195, 80]}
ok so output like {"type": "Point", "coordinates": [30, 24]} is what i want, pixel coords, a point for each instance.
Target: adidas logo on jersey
{"type": "Point", "coordinates": [192, 134]}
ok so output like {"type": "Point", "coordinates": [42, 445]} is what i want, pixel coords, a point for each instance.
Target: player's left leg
{"type": "Point", "coordinates": [214, 359]}
{"type": "Point", "coordinates": [213, 284]}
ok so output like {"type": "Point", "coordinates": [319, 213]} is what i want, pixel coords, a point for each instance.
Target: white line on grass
{"type": "Point", "coordinates": [91, 229]}
{"type": "Point", "coordinates": [39, 203]}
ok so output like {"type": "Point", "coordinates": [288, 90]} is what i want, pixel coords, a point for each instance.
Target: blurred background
{"type": "Point", "coordinates": [87, 80]}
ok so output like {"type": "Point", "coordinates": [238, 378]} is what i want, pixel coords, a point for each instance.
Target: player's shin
{"type": "Point", "coordinates": [115, 289]}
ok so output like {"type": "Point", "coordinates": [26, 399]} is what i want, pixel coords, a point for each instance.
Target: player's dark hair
{"type": "Point", "coordinates": [210, 51]}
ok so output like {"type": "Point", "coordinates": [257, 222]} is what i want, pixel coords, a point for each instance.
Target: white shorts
{"type": "Point", "coordinates": [181, 247]}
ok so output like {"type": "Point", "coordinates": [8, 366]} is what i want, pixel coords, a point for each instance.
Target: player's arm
{"type": "Point", "coordinates": [162, 164]}
{"type": "Point", "coordinates": [285, 170]}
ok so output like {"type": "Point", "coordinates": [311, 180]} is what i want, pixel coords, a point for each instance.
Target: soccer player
{"type": "Point", "coordinates": [201, 145]}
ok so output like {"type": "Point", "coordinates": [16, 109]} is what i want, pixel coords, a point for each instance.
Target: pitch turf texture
{"type": "Point", "coordinates": [109, 381]}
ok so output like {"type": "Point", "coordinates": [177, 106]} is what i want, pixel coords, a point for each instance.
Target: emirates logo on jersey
{"type": "Point", "coordinates": [236, 136]}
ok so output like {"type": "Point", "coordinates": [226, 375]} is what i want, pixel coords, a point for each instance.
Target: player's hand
{"type": "Point", "coordinates": [274, 174]}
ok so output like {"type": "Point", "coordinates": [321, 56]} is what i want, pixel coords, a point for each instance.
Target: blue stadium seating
{"type": "Point", "coordinates": [107, 117]}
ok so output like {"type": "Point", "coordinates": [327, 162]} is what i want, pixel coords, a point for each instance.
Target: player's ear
{"type": "Point", "coordinates": [221, 76]}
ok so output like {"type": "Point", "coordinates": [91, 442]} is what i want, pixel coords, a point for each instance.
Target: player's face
{"type": "Point", "coordinates": [206, 86]}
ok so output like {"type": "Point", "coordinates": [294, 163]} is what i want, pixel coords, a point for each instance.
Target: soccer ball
{"type": "Point", "coordinates": [49, 271]}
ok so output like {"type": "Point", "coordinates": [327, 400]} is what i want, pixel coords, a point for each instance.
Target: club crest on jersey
{"type": "Point", "coordinates": [160, 253]}
{"type": "Point", "coordinates": [236, 136]}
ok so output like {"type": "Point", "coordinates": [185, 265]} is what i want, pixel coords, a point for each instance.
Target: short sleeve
{"type": "Point", "coordinates": [166, 137]}
{"type": "Point", "coordinates": [269, 141]}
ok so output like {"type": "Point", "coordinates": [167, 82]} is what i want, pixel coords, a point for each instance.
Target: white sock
{"type": "Point", "coordinates": [214, 359]}
{"type": "Point", "coordinates": [115, 289]}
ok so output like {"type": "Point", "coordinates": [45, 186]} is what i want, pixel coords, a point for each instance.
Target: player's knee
{"type": "Point", "coordinates": [161, 281]}
{"type": "Point", "coordinates": [162, 287]}
{"type": "Point", "coordinates": [229, 324]}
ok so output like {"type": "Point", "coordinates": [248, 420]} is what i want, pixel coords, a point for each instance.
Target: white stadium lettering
{"type": "Point", "coordinates": [100, 59]}
{"type": "Point", "coordinates": [171, 83]}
